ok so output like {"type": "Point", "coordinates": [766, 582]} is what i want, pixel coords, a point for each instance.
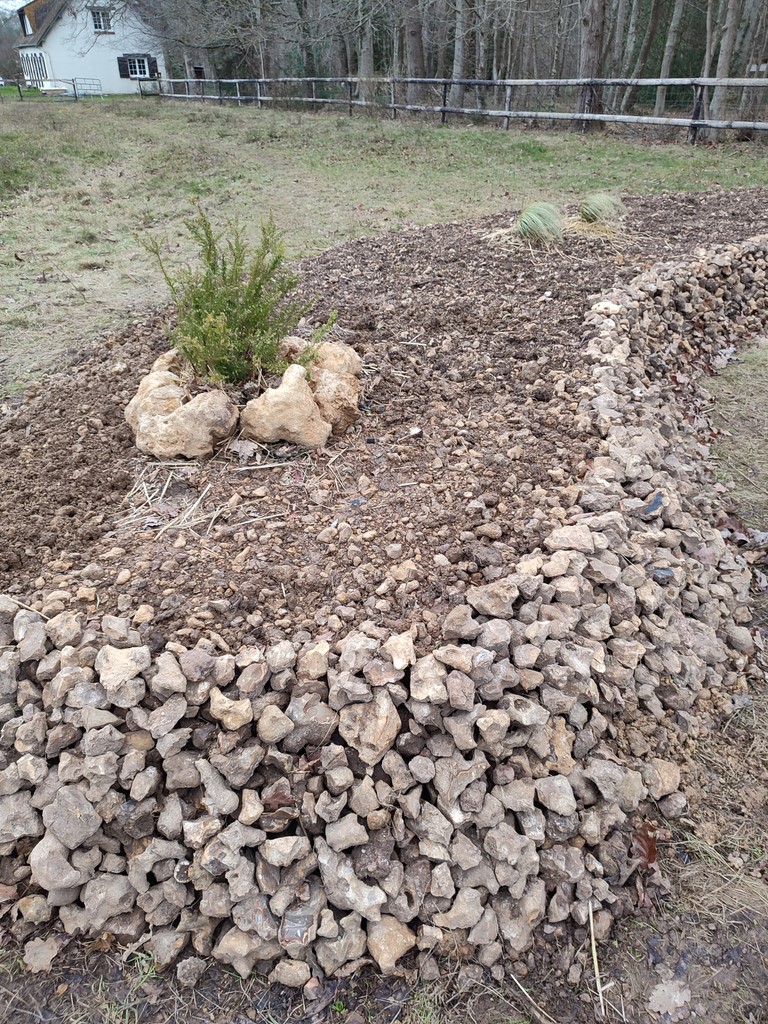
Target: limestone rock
{"type": "Point", "coordinates": [286, 413]}
{"type": "Point", "coordinates": [291, 973]}
{"type": "Point", "coordinates": [661, 777]}
{"type": "Point", "coordinates": [495, 600]}
{"type": "Point", "coordinates": [190, 971]}
{"type": "Point", "coordinates": [343, 888]}
{"type": "Point", "coordinates": [339, 358]}
{"type": "Point", "coordinates": [119, 669]}
{"type": "Point", "coordinates": [428, 677]}
{"type": "Point", "coordinates": [274, 725]}
{"type": "Point", "coordinates": [71, 818]}
{"type": "Point", "coordinates": [18, 818]}
{"type": "Point", "coordinates": [575, 538]}
{"type": "Point", "coordinates": [466, 911]}
{"type": "Point", "coordinates": [50, 867]}
{"type": "Point", "coordinates": [370, 728]}
{"type": "Point", "coordinates": [106, 896]}
{"type": "Point", "coordinates": [401, 650]}
{"type": "Point", "coordinates": [554, 791]}
{"type": "Point", "coordinates": [167, 423]}
{"type": "Point", "coordinates": [233, 714]}
{"type": "Point", "coordinates": [388, 940]}
{"type": "Point", "coordinates": [242, 949]}
{"type": "Point", "coordinates": [620, 785]}
{"type": "Point", "coordinates": [336, 396]}
{"type": "Point", "coordinates": [284, 851]}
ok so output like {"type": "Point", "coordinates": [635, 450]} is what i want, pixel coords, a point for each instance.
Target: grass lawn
{"type": "Point", "coordinates": [81, 182]}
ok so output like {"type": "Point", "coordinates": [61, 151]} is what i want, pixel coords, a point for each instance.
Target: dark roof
{"type": "Point", "coordinates": [42, 15]}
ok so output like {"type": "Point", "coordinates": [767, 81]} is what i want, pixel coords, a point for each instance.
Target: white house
{"type": "Point", "coordinates": [87, 46]}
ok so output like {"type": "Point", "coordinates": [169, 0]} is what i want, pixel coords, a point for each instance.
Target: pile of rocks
{"type": "Point", "coordinates": [312, 807]}
{"type": "Point", "coordinates": [171, 417]}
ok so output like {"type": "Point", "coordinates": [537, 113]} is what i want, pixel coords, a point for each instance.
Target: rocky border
{"type": "Point", "coordinates": [305, 811]}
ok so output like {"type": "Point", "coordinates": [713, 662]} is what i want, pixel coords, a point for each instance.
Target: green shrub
{"type": "Point", "coordinates": [540, 223]}
{"type": "Point", "coordinates": [235, 309]}
{"type": "Point", "coordinates": [602, 208]}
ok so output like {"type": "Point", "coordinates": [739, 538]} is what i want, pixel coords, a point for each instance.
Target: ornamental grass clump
{"type": "Point", "coordinates": [540, 224]}
{"type": "Point", "coordinates": [602, 208]}
{"type": "Point", "coordinates": [236, 307]}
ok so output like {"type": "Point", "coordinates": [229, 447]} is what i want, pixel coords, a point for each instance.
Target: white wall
{"type": "Point", "coordinates": [74, 50]}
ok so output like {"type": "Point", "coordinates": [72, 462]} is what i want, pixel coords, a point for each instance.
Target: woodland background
{"type": "Point", "coordinates": [481, 39]}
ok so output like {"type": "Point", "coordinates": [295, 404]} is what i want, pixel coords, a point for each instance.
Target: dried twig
{"type": "Point", "coordinates": [538, 1013]}
{"type": "Point", "coordinates": [595, 962]}
{"type": "Point", "coordinates": [26, 607]}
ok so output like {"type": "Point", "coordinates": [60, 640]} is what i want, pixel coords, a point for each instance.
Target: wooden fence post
{"type": "Point", "coordinates": [393, 98]}
{"type": "Point", "coordinates": [507, 106]}
{"type": "Point", "coordinates": [258, 93]}
{"type": "Point", "coordinates": [698, 103]}
{"type": "Point", "coordinates": [349, 88]}
{"type": "Point", "coordinates": [444, 113]}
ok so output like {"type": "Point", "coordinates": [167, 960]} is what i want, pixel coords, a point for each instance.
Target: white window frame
{"type": "Point", "coordinates": [135, 65]}
{"type": "Point", "coordinates": [102, 19]}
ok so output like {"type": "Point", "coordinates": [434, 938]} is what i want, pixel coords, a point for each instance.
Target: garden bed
{"type": "Point", "coordinates": [553, 500]}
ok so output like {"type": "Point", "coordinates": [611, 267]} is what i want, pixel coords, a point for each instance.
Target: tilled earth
{"type": "Point", "coordinates": [472, 368]}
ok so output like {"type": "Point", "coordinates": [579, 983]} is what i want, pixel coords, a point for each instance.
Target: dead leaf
{"type": "Point", "coordinates": [644, 846]}
{"type": "Point", "coordinates": [39, 954]}
{"type": "Point", "coordinates": [8, 892]}
{"type": "Point", "coordinates": [670, 998]}
{"type": "Point", "coordinates": [243, 448]}
{"type": "Point", "coordinates": [103, 944]}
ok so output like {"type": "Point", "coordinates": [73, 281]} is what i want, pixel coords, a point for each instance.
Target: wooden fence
{"type": "Point", "coordinates": [495, 99]}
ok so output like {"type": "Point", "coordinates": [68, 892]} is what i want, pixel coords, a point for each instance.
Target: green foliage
{"type": "Point", "coordinates": [540, 223]}
{"type": "Point", "coordinates": [237, 306]}
{"type": "Point", "coordinates": [602, 208]}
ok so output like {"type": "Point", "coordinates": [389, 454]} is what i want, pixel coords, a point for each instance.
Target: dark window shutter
{"type": "Point", "coordinates": [122, 67]}
{"type": "Point", "coordinates": [153, 71]}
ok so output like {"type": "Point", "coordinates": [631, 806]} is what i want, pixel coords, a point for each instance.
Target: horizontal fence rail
{"type": "Point", "coordinates": [600, 98]}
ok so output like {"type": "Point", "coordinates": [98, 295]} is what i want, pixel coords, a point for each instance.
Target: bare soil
{"type": "Point", "coordinates": [472, 364]}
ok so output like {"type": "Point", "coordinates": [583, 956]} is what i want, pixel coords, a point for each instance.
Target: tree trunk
{"type": "Point", "coordinates": [754, 46]}
{"type": "Point", "coordinates": [456, 95]}
{"type": "Point", "coordinates": [365, 65]}
{"type": "Point", "coordinates": [673, 37]}
{"type": "Point", "coordinates": [642, 57]}
{"type": "Point", "coordinates": [709, 48]}
{"type": "Point", "coordinates": [732, 14]}
{"type": "Point", "coordinates": [414, 48]}
{"type": "Point", "coordinates": [590, 52]}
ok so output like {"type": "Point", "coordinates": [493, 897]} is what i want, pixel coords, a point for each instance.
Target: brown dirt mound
{"type": "Point", "coordinates": [473, 368]}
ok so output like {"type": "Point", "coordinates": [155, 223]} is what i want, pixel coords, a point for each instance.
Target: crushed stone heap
{"type": "Point", "coordinates": [292, 809]}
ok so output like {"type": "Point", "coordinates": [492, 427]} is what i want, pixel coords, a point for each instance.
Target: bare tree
{"type": "Point", "coordinates": [731, 13]}
{"type": "Point", "coordinates": [590, 52]}
{"type": "Point", "coordinates": [673, 37]}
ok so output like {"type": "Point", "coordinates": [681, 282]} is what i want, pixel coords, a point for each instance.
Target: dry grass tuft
{"type": "Point", "coordinates": [602, 208]}
{"type": "Point", "coordinates": [540, 224]}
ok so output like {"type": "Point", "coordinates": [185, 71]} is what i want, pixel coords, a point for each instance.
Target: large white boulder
{"type": "Point", "coordinates": [336, 396]}
{"type": "Point", "coordinates": [330, 355]}
{"type": "Point", "coordinates": [168, 424]}
{"type": "Point", "coordinates": [286, 413]}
